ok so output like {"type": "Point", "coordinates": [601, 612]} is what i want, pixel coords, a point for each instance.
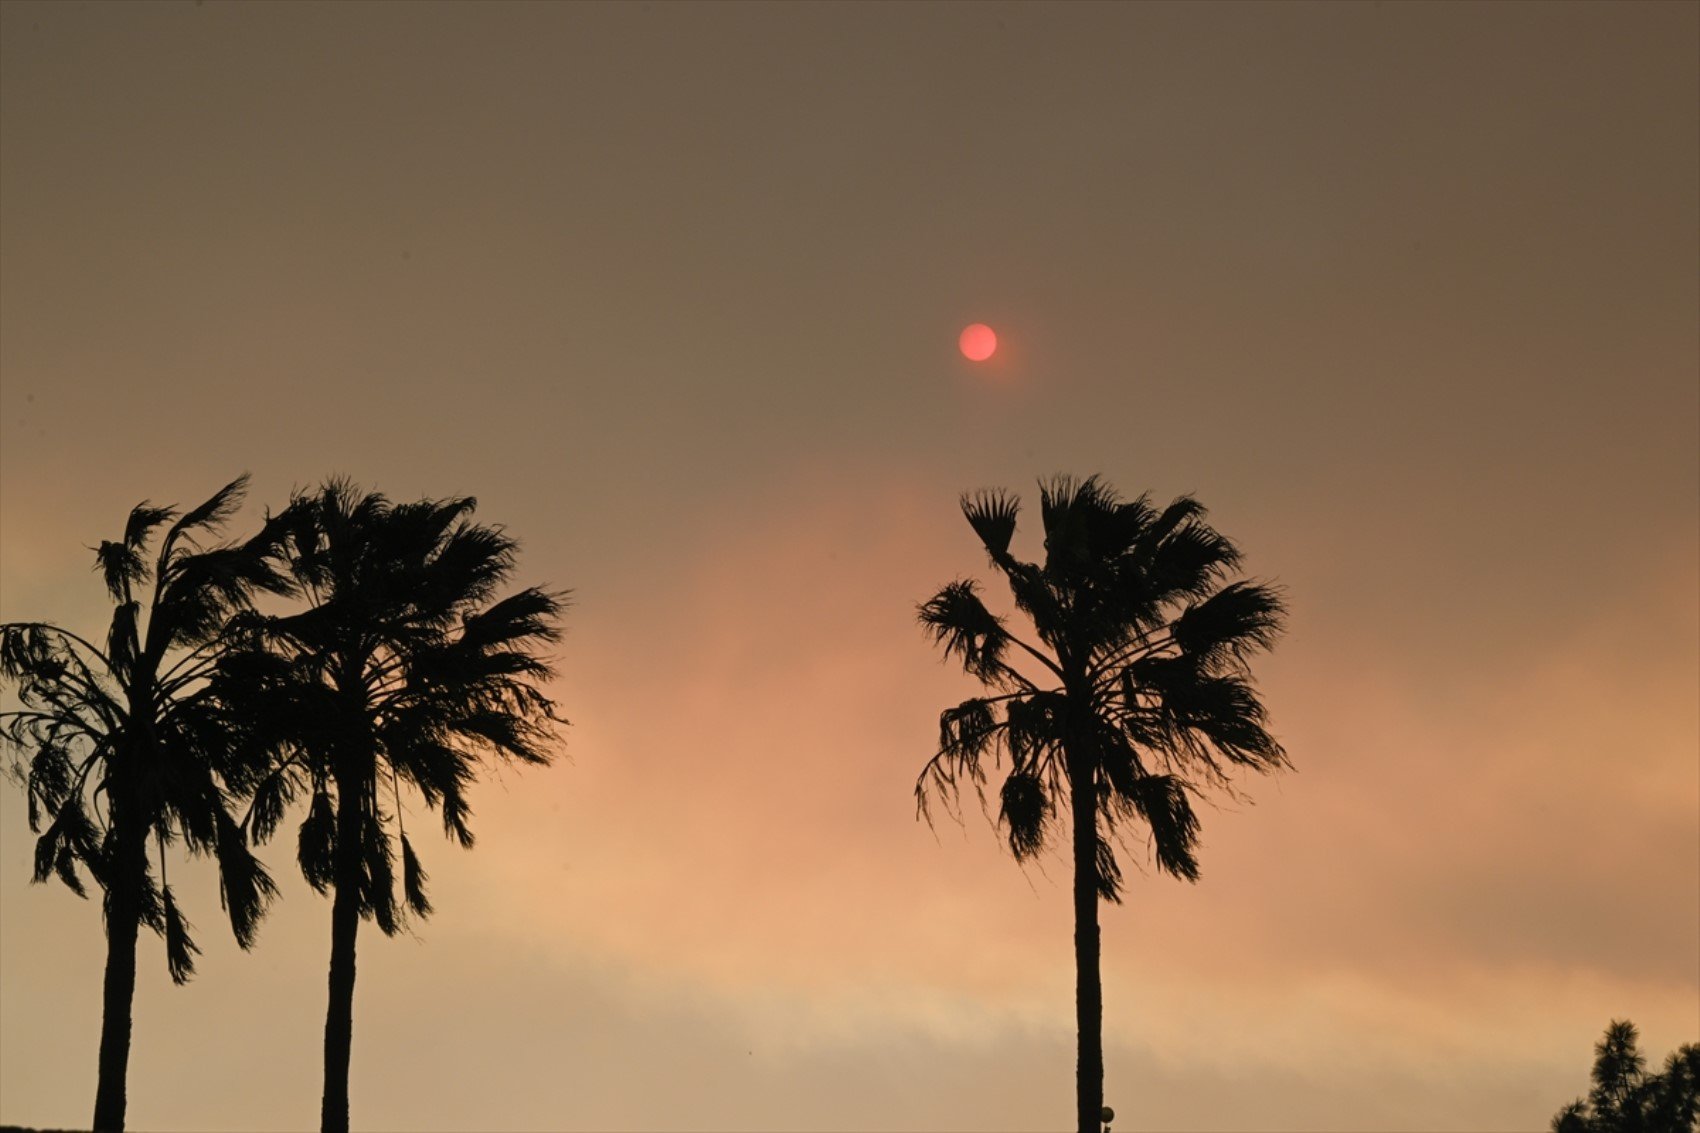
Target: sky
{"type": "Point", "coordinates": [1405, 294]}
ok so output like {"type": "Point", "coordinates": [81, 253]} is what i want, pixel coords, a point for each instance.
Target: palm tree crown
{"type": "Point", "coordinates": [403, 669]}
{"type": "Point", "coordinates": [1138, 679]}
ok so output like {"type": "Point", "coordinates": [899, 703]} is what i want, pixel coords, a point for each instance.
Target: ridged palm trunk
{"type": "Point", "coordinates": [123, 922]}
{"type": "Point", "coordinates": [345, 925]}
{"type": "Point", "coordinates": [1088, 989]}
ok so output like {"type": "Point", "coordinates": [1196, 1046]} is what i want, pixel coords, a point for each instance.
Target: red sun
{"type": "Point", "coordinates": [977, 342]}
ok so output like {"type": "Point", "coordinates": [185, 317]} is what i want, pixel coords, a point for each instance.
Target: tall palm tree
{"type": "Point", "coordinates": [1132, 695]}
{"type": "Point", "coordinates": [119, 746]}
{"type": "Point", "coordinates": [403, 668]}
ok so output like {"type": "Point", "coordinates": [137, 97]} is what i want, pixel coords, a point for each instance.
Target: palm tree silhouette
{"type": "Point", "coordinates": [404, 667]}
{"type": "Point", "coordinates": [132, 722]}
{"type": "Point", "coordinates": [1134, 695]}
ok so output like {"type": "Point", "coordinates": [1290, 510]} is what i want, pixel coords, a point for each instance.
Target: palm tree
{"type": "Point", "coordinates": [131, 722]}
{"type": "Point", "coordinates": [1133, 695]}
{"type": "Point", "coordinates": [403, 668]}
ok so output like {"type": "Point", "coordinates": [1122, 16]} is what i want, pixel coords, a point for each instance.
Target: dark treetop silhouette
{"type": "Point", "coordinates": [1627, 1099]}
{"type": "Point", "coordinates": [404, 667]}
{"type": "Point", "coordinates": [131, 723]}
{"type": "Point", "coordinates": [1134, 693]}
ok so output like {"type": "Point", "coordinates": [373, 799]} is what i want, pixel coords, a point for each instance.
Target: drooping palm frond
{"type": "Point", "coordinates": [180, 951]}
{"type": "Point", "coordinates": [316, 842]}
{"type": "Point", "coordinates": [413, 879]}
{"type": "Point", "coordinates": [68, 841]}
{"type": "Point", "coordinates": [1025, 809]}
{"type": "Point", "coordinates": [245, 887]}
{"type": "Point", "coordinates": [959, 621]}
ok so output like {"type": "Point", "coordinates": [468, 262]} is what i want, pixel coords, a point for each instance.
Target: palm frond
{"type": "Point", "coordinates": [180, 950]}
{"type": "Point", "coordinates": [377, 889]}
{"type": "Point", "coordinates": [1025, 809]}
{"type": "Point", "coordinates": [48, 782]}
{"type": "Point", "coordinates": [457, 817]}
{"type": "Point", "coordinates": [143, 891]}
{"type": "Point", "coordinates": [1181, 511]}
{"type": "Point", "coordinates": [1063, 494]}
{"type": "Point", "coordinates": [68, 839]}
{"type": "Point", "coordinates": [992, 513]}
{"type": "Point", "coordinates": [1080, 518]}
{"type": "Point", "coordinates": [1161, 800]}
{"type": "Point", "coordinates": [413, 878]}
{"type": "Point", "coordinates": [966, 732]}
{"type": "Point", "coordinates": [1036, 729]}
{"type": "Point", "coordinates": [1227, 713]}
{"type": "Point", "coordinates": [144, 517]}
{"type": "Point", "coordinates": [1106, 871]}
{"type": "Point", "coordinates": [316, 843]}
{"type": "Point", "coordinates": [245, 887]}
{"type": "Point", "coordinates": [215, 512]}
{"type": "Point", "coordinates": [271, 799]}
{"type": "Point", "coordinates": [1186, 563]}
{"type": "Point", "coordinates": [123, 646]}
{"type": "Point", "coordinates": [1237, 620]}
{"type": "Point", "coordinates": [531, 615]}
{"type": "Point", "coordinates": [122, 567]}
{"type": "Point", "coordinates": [959, 622]}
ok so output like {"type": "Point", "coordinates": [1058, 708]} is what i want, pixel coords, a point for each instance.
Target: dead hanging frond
{"type": "Point", "coordinates": [413, 879]}
{"type": "Point", "coordinates": [316, 842]}
{"type": "Point", "coordinates": [180, 950]}
{"type": "Point", "coordinates": [1025, 810]}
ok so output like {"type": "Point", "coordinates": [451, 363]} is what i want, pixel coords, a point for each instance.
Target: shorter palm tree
{"type": "Point", "coordinates": [120, 745]}
{"type": "Point", "coordinates": [405, 667]}
{"type": "Point", "coordinates": [1133, 695]}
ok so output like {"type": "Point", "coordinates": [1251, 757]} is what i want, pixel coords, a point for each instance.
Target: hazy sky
{"type": "Point", "coordinates": [1405, 293]}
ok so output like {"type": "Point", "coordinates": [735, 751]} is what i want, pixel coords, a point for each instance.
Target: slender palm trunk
{"type": "Point", "coordinates": [345, 924]}
{"type": "Point", "coordinates": [123, 922]}
{"type": "Point", "coordinates": [1088, 990]}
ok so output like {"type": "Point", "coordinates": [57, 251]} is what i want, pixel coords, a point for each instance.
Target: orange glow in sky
{"type": "Point", "coordinates": [667, 291]}
{"type": "Point", "coordinates": [977, 342]}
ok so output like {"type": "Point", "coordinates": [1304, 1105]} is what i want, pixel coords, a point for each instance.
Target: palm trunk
{"type": "Point", "coordinates": [345, 925]}
{"type": "Point", "coordinates": [123, 922]}
{"type": "Point", "coordinates": [1088, 990]}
